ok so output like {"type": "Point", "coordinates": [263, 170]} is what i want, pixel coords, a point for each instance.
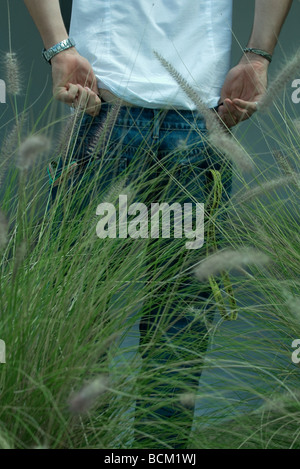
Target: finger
{"type": "Point", "coordinates": [235, 114]}
{"type": "Point", "coordinates": [231, 120]}
{"type": "Point", "coordinates": [231, 108]}
{"type": "Point", "coordinates": [82, 98]}
{"type": "Point", "coordinates": [73, 91]}
{"type": "Point", "coordinates": [93, 105]}
{"type": "Point", "coordinates": [250, 106]}
{"type": "Point", "coordinates": [227, 115]}
{"type": "Point", "coordinates": [67, 94]}
{"type": "Point", "coordinates": [88, 101]}
{"type": "Point", "coordinates": [223, 114]}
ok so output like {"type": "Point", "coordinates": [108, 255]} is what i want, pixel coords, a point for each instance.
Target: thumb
{"type": "Point", "coordinates": [247, 105]}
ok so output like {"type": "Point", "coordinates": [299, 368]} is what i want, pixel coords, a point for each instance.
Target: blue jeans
{"type": "Point", "coordinates": [166, 155]}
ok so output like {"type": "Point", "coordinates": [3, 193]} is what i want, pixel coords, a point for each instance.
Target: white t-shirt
{"type": "Point", "coordinates": [118, 38]}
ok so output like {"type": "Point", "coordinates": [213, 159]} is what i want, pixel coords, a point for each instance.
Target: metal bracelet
{"type": "Point", "coordinates": [61, 46]}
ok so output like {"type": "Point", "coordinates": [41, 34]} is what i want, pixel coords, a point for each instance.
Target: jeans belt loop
{"type": "Point", "coordinates": [156, 122]}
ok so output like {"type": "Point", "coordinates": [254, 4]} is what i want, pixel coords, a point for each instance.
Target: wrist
{"type": "Point", "coordinates": [63, 54]}
{"type": "Point", "coordinates": [255, 52]}
{"type": "Point", "coordinates": [58, 48]}
{"type": "Point", "coordinates": [250, 57]}
{"type": "Point", "coordinates": [51, 39]}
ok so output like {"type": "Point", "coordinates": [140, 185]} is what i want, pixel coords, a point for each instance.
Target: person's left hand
{"type": "Point", "coordinates": [242, 90]}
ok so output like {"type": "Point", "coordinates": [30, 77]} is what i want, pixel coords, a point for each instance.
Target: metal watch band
{"type": "Point", "coordinates": [260, 52]}
{"type": "Point", "coordinates": [63, 45]}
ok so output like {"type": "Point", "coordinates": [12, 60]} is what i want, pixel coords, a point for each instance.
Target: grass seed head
{"type": "Point", "coordinates": [30, 149]}
{"type": "Point", "coordinates": [3, 229]}
{"type": "Point", "coordinates": [231, 150]}
{"type": "Point", "coordinates": [13, 75]}
{"type": "Point", "coordinates": [84, 399]}
{"type": "Point", "coordinates": [229, 259]}
{"type": "Point", "coordinates": [286, 74]}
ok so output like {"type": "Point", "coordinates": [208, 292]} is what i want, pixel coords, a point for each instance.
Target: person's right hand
{"type": "Point", "coordinates": [74, 81]}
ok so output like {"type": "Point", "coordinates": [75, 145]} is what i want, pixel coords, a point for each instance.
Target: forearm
{"type": "Point", "coordinates": [74, 81]}
{"type": "Point", "coordinates": [269, 17]}
{"type": "Point", "coordinates": [48, 19]}
{"type": "Point", "coordinates": [246, 83]}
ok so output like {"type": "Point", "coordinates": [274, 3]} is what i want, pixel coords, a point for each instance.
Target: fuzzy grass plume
{"type": "Point", "coordinates": [231, 149]}
{"type": "Point", "coordinates": [84, 399]}
{"type": "Point", "coordinates": [286, 167]}
{"type": "Point", "coordinates": [102, 134]}
{"type": "Point", "coordinates": [296, 123]}
{"type": "Point", "coordinates": [283, 163]}
{"type": "Point", "coordinates": [30, 149]}
{"type": "Point", "coordinates": [68, 132]}
{"type": "Point", "coordinates": [230, 259]}
{"type": "Point", "coordinates": [20, 255]}
{"type": "Point", "coordinates": [3, 229]}
{"type": "Point", "coordinates": [187, 400]}
{"type": "Point", "coordinates": [269, 186]}
{"type": "Point", "coordinates": [287, 73]}
{"type": "Point", "coordinates": [10, 145]}
{"type": "Point", "coordinates": [212, 120]}
{"type": "Point", "coordinates": [12, 73]}
{"type": "Point", "coordinates": [218, 138]}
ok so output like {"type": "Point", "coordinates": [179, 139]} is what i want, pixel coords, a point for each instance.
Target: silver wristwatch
{"type": "Point", "coordinates": [63, 45]}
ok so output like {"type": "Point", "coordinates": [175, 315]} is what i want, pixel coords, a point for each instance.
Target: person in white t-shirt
{"type": "Point", "coordinates": [94, 26]}
{"type": "Point", "coordinates": [109, 59]}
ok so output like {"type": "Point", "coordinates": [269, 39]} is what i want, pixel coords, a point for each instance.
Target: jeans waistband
{"type": "Point", "coordinates": [160, 109]}
{"type": "Point", "coordinates": [174, 116]}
